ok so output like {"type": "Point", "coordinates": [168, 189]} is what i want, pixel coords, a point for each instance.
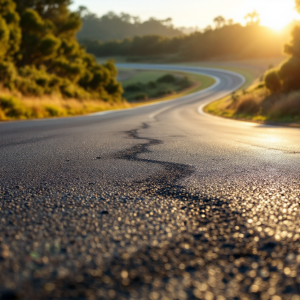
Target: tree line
{"type": "Point", "coordinates": [226, 39]}
{"type": "Point", "coordinates": [39, 53]}
{"type": "Point", "coordinates": [112, 26]}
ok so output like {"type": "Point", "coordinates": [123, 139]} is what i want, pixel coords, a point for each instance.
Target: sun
{"type": "Point", "coordinates": [278, 23]}
{"type": "Point", "coordinates": [277, 14]}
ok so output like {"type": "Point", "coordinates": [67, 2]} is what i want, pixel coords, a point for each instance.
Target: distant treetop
{"type": "Point", "coordinates": [112, 26]}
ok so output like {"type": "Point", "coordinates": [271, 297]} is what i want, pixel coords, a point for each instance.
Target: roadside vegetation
{"type": "Point", "coordinates": [163, 86]}
{"type": "Point", "coordinates": [275, 98]}
{"type": "Point", "coordinates": [42, 63]}
{"type": "Point", "coordinates": [145, 86]}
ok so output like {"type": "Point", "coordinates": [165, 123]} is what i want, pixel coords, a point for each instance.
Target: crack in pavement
{"type": "Point", "coordinates": [171, 172]}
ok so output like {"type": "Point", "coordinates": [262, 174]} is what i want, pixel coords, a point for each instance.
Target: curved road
{"type": "Point", "coordinates": [157, 202]}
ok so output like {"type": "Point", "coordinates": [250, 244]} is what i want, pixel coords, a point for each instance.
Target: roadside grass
{"type": "Point", "coordinates": [258, 105]}
{"type": "Point", "coordinates": [22, 108]}
{"type": "Point", "coordinates": [221, 107]}
{"type": "Point", "coordinates": [255, 104]}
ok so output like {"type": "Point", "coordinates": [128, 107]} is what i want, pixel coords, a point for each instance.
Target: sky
{"type": "Point", "coordinates": [190, 13]}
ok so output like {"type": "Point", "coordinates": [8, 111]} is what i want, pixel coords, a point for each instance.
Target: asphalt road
{"type": "Point", "coordinates": [157, 202]}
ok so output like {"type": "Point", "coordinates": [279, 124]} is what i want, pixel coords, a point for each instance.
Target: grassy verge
{"type": "Point", "coordinates": [17, 107]}
{"type": "Point", "coordinates": [256, 104]}
{"type": "Point", "coordinates": [221, 107]}
{"type": "Point", "coordinates": [22, 108]}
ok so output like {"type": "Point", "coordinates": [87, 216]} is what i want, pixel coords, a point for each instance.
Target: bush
{"type": "Point", "coordinates": [135, 87]}
{"type": "Point", "coordinates": [29, 87]}
{"type": "Point", "coordinates": [11, 106]}
{"type": "Point", "coordinates": [70, 90]}
{"type": "Point", "coordinates": [248, 106]}
{"type": "Point", "coordinates": [272, 81]}
{"type": "Point", "coordinates": [152, 85]}
{"type": "Point", "coordinates": [168, 78]}
{"type": "Point", "coordinates": [164, 92]}
{"type": "Point", "coordinates": [8, 74]}
{"type": "Point", "coordinates": [184, 83]}
{"type": "Point", "coordinates": [142, 96]}
{"type": "Point", "coordinates": [289, 73]}
{"type": "Point", "coordinates": [53, 111]}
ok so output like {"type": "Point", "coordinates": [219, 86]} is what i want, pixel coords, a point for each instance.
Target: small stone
{"type": "Point", "coordinates": [4, 252]}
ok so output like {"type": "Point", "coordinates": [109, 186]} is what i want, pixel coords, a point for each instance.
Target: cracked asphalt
{"type": "Point", "coordinates": [159, 202]}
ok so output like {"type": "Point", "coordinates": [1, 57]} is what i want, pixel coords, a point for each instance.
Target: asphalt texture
{"type": "Point", "coordinates": [158, 202]}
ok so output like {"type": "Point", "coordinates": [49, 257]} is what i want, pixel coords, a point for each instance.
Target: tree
{"type": "Point", "coordinates": [230, 22]}
{"type": "Point", "coordinates": [136, 20]}
{"type": "Point", "coordinates": [39, 53]}
{"type": "Point", "coordinates": [82, 11]}
{"type": "Point", "coordinates": [54, 10]}
{"type": "Point", "coordinates": [252, 18]}
{"type": "Point", "coordinates": [10, 33]}
{"type": "Point", "coordinates": [115, 27]}
{"type": "Point", "coordinates": [219, 21]}
{"type": "Point", "coordinates": [167, 22]}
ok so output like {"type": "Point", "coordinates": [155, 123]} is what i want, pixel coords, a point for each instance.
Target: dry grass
{"type": "Point", "coordinates": [259, 104]}
{"type": "Point", "coordinates": [14, 106]}
{"type": "Point", "coordinates": [284, 106]}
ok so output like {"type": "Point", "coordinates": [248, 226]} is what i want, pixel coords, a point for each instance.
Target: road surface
{"type": "Point", "coordinates": [157, 202]}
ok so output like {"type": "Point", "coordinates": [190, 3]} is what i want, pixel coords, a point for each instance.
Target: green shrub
{"type": "Point", "coordinates": [29, 87]}
{"type": "Point", "coordinates": [53, 111]}
{"type": "Point", "coordinates": [49, 45]}
{"type": "Point", "coordinates": [164, 92]}
{"type": "Point", "coordinates": [8, 74]}
{"type": "Point", "coordinates": [272, 81]}
{"type": "Point", "coordinates": [4, 38]}
{"type": "Point", "coordinates": [152, 85]}
{"type": "Point", "coordinates": [141, 96]}
{"type": "Point", "coordinates": [184, 83]}
{"type": "Point", "coordinates": [11, 106]}
{"type": "Point", "coordinates": [70, 90]}
{"type": "Point", "coordinates": [134, 87]}
{"type": "Point", "coordinates": [168, 78]}
{"type": "Point", "coordinates": [289, 73]}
